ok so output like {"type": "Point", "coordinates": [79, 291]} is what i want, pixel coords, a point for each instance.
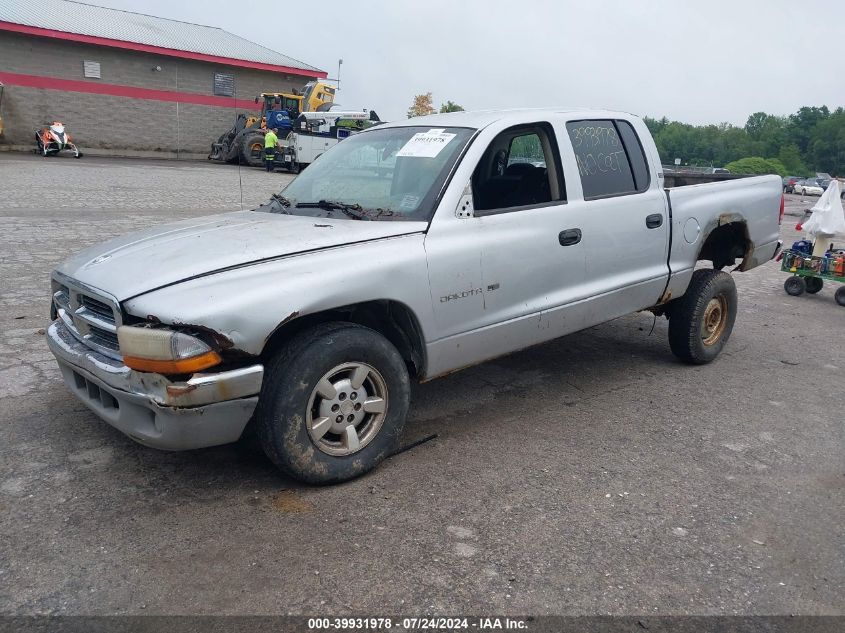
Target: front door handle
{"type": "Point", "coordinates": [569, 237]}
{"type": "Point", "coordinates": [654, 220]}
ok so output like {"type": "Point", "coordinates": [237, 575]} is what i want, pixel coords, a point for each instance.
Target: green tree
{"type": "Point", "coordinates": [757, 165]}
{"type": "Point", "coordinates": [826, 147]}
{"type": "Point", "coordinates": [802, 124]}
{"type": "Point", "coordinates": [450, 107]}
{"type": "Point", "coordinates": [766, 133]}
{"type": "Point", "coordinates": [790, 156]}
{"type": "Point", "coordinates": [655, 125]}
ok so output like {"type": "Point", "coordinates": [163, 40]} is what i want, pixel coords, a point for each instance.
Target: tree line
{"type": "Point", "coordinates": [811, 140]}
{"type": "Point", "coordinates": [800, 144]}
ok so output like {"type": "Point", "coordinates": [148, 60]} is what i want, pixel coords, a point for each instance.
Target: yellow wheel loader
{"type": "Point", "coordinates": [244, 141]}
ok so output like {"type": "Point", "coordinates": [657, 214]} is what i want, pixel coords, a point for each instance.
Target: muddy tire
{"type": "Point", "coordinates": [701, 321]}
{"type": "Point", "coordinates": [814, 284]}
{"type": "Point", "coordinates": [248, 153]}
{"type": "Point", "coordinates": [333, 403]}
{"type": "Point", "coordinates": [795, 286]}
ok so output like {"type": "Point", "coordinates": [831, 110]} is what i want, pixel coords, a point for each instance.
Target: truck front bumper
{"type": "Point", "coordinates": [206, 410]}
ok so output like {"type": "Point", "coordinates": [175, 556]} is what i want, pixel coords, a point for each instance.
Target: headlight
{"type": "Point", "coordinates": [164, 351]}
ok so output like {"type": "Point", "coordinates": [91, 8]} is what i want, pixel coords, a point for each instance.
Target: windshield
{"type": "Point", "coordinates": [382, 174]}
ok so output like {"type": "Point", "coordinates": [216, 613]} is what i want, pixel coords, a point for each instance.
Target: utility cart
{"type": "Point", "coordinates": [809, 272]}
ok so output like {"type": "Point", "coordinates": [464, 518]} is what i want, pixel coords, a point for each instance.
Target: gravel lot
{"type": "Point", "coordinates": [592, 475]}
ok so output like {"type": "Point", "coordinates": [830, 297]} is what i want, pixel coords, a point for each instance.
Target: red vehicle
{"type": "Point", "coordinates": [789, 183]}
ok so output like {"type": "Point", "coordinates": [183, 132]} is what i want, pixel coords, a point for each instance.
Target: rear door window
{"type": "Point", "coordinates": [610, 159]}
{"type": "Point", "coordinates": [636, 155]}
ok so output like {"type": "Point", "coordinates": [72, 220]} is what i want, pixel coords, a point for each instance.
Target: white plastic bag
{"type": "Point", "coordinates": [828, 217]}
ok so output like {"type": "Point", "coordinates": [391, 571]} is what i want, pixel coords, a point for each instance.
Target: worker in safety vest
{"type": "Point", "coordinates": [270, 142]}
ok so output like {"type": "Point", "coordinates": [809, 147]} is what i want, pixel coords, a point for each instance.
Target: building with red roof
{"type": "Point", "coordinates": [130, 83]}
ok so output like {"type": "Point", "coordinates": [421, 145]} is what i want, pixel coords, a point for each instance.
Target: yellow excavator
{"type": "Point", "coordinates": [244, 141]}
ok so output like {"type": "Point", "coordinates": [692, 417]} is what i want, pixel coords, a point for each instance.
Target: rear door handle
{"type": "Point", "coordinates": [654, 220]}
{"type": "Point", "coordinates": [569, 237]}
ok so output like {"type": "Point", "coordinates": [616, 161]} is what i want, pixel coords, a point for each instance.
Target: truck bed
{"type": "Point", "coordinates": [696, 210]}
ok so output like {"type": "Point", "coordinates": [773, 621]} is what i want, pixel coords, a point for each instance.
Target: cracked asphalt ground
{"type": "Point", "coordinates": [591, 475]}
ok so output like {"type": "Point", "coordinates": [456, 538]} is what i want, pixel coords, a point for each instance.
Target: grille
{"type": "Point", "coordinates": [91, 317]}
{"type": "Point", "coordinates": [104, 337]}
{"type": "Point", "coordinates": [102, 310]}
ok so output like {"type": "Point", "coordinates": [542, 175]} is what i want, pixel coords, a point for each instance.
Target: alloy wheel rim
{"type": "Point", "coordinates": [715, 320]}
{"type": "Point", "coordinates": [347, 408]}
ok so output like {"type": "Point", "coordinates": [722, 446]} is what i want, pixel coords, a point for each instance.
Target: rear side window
{"type": "Point", "coordinates": [636, 155]}
{"type": "Point", "coordinates": [610, 158]}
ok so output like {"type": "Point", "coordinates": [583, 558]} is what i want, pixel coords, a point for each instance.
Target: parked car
{"type": "Point", "coordinates": [789, 183]}
{"type": "Point", "coordinates": [824, 183]}
{"type": "Point", "coordinates": [311, 314]}
{"type": "Point", "coordinates": [807, 187]}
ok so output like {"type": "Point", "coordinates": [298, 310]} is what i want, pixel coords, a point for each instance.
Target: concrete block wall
{"type": "Point", "coordinates": [123, 124]}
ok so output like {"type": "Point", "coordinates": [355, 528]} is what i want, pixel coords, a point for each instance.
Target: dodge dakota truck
{"type": "Point", "coordinates": [406, 252]}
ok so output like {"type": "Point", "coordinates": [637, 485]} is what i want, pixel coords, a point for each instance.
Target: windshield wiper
{"type": "Point", "coordinates": [352, 210]}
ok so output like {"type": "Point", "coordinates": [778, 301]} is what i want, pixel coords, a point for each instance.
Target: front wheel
{"type": "Point", "coordinates": [795, 286]}
{"type": "Point", "coordinates": [252, 149]}
{"type": "Point", "coordinates": [333, 403]}
{"type": "Point", "coordinates": [839, 296]}
{"type": "Point", "coordinates": [701, 321]}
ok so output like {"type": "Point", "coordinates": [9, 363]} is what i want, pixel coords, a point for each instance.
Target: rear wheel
{"type": "Point", "coordinates": [840, 295]}
{"type": "Point", "coordinates": [701, 321]}
{"type": "Point", "coordinates": [795, 286]}
{"type": "Point", "coordinates": [814, 284]}
{"type": "Point", "coordinates": [333, 403]}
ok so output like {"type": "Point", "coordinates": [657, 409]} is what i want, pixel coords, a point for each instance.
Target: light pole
{"type": "Point", "coordinates": [339, 63]}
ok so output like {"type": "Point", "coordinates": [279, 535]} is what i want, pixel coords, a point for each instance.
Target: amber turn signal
{"type": "Point", "coordinates": [182, 366]}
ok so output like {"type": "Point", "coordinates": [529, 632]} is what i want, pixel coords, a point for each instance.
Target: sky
{"type": "Point", "coordinates": [697, 61]}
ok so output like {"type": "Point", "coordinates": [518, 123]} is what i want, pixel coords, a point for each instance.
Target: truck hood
{"type": "Point", "coordinates": [139, 262]}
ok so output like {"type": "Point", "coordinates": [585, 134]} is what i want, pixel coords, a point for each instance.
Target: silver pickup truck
{"type": "Point", "coordinates": [406, 252]}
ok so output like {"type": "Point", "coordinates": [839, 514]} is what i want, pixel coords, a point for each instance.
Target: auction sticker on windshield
{"type": "Point", "coordinates": [426, 144]}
